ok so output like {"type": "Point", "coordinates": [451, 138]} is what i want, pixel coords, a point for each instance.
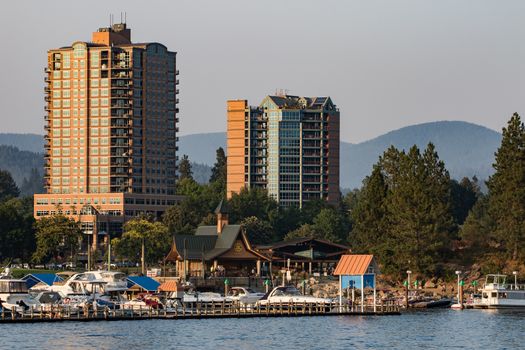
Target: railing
{"type": "Point", "coordinates": [189, 310]}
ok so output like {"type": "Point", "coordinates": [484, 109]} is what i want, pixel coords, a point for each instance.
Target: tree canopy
{"type": "Point", "coordinates": [57, 238]}
{"type": "Point", "coordinates": [157, 240]}
{"type": "Point", "coordinates": [8, 188]}
{"type": "Point", "coordinates": [507, 190]}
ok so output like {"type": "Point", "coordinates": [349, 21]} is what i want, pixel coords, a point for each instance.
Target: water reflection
{"type": "Point", "coordinates": [434, 329]}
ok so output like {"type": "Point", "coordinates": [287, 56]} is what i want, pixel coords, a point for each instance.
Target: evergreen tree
{"type": "Point", "coordinates": [476, 233]}
{"type": "Point", "coordinates": [331, 225]}
{"type": "Point", "coordinates": [218, 172]}
{"type": "Point", "coordinates": [368, 214]}
{"type": "Point", "coordinates": [305, 230]}
{"type": "Point", "coordinates": [8, 188]}
{"type": "Point", "coordinates": [464, 195]}
{"type": "Point", "coordinates": [418, 220]}
{"type": "Point", "coordinates": [33, 184]}
{"type": "Point", "coordinates": [184, 168]}
{"type": "Point", "coordinates": [507, 189]}
{"type": "Point", "coordinates": [17, 235]}
{"type": "Point", "coordinates": [251, 202]}
{"type": "Point", "coordinates": [257, 230]}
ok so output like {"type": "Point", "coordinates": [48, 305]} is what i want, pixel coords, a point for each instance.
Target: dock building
{"type": "Point", "coordinates": [288, 145]}
{"type": "Point", "coordinates": [111, 114]}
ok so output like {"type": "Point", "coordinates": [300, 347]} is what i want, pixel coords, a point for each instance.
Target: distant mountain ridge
{"type": "Point", "coordinates": [467, 149]}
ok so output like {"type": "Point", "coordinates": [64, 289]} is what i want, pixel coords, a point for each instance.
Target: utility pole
{"type": "Point", "coordinates": [142, 256]}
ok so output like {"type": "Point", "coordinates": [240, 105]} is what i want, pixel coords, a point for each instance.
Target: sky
{"type": "Point", "coordinates": [385, 64]}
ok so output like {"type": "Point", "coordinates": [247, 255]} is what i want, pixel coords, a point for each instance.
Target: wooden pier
{"type": "Point", "coordinates": [197, 310]}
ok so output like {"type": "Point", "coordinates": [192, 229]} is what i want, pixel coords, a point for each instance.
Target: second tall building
{"type": "Point", "coordinates": [288, 145]}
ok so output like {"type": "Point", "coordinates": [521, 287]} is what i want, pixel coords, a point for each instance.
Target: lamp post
{"type": "Point", "coordinates": [515, 273]}
{"type": "Point", "coordinates": [458, 273]}
{"type": "Point", "coordinates": [408, 279]}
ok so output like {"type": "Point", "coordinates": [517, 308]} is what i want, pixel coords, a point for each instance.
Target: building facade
{"type": "Point", "coordinates": [288, 145]}
{"type": "Point", "coordinates": [111, 131]}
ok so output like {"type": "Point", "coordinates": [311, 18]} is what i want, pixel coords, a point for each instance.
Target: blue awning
{"type": "Point", "coordinates": [47, 278]}
{"type": "Point", "coordinates": [146, 283]}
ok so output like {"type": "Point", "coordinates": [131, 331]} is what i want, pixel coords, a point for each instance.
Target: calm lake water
{"type": "Point", "coordinates": [434, 329]}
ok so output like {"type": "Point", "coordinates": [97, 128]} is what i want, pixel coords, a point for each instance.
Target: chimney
{"type": "Point", "coordinates": [222, 216]}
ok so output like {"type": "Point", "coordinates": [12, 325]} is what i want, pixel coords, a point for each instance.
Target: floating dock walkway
{"type": "Point", "coordinates": [218, 310]}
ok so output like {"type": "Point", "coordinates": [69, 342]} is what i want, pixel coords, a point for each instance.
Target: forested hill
{"type": "Point", "coordinates": [26, 168]}
{"type": "Point", "coordinates": [467, 149]}
{"type": "Point", "coordinates": [24, 142]}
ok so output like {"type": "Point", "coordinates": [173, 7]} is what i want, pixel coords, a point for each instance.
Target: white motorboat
{"type": "Point", "coordinates": [244, 295]}
{"type": "Point", "coordinates": [498, 294]}
{"type": "Point", "coordinates": [202, 297]}
{"type": "Point", "coordinates": [99, 288]}
{"type": "Point", "coordinates": [84, 284]}
{"type": "Point", "coordinates": [290, 295]}
{"type": "Point", "coordinates": [14, 294]}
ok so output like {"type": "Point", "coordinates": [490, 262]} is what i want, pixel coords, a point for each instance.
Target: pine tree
{"type": "Point", "coordinates": [218, 172]}
{"type": "Point", "coordinates": [507, 189]}
{"type": "Point", "coordinates": [8, 188]}
{"type": "Point", "coordinates": [184, 168]}
{"type": "Point", "coordinates": [368, 214]}
{"type": "Point", "coordinates": [418, 220]}
{"type": "Point", "coordinates": [33, 184]}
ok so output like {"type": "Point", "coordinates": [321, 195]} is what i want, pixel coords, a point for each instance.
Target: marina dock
{"type": "Point", "coordinates": [210, 310]}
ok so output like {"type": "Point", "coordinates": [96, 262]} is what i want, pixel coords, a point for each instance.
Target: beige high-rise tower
{"type": "Point", "coordinates": [111, 126]}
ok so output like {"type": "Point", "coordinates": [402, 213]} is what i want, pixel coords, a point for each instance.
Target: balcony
{"type": "Point", "coordinates": [119, 104]}
{"type": "Point", "coordinates": [119, 143]}
{"type": "Point", "coordinates": [121, 75]}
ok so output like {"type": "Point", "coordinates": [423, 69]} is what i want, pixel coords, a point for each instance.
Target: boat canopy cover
{"type": "Point", "coordinates": [146, 283]}
{"type": "Point", "coordinates": [47, 278]}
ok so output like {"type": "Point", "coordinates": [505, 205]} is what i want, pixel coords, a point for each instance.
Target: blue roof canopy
{"type": "Point", "coordinates": [47, 278]}
{"type": "Point", "coordinates": [146, 283]}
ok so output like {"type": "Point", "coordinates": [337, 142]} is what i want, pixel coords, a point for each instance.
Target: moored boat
{"type": "Point", "coordinates": [498, 294]}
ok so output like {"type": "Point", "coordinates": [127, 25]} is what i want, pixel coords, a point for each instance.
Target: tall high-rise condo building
{"type": "Point", "coordinates": [288, 145]}
{"type": "Point", "coordinates": [111, 131]}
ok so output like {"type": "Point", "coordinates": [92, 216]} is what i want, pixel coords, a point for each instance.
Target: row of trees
{"type": "Point", "coordinates": [409, 213]}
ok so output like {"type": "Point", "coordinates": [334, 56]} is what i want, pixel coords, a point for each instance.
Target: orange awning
{"type": "Point", "coordinates": [353, 264]}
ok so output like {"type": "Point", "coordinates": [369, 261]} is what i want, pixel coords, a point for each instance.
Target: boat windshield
{"type": "Point", "coordinates": [287, 291]}
{"type": "Point", "coordinates": [114, 277]}
{"type": "Point", "coordinates": [499, 280]}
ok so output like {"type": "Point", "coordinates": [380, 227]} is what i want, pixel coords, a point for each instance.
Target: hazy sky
{"type": "Point", "coordinates": [386, 64]}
